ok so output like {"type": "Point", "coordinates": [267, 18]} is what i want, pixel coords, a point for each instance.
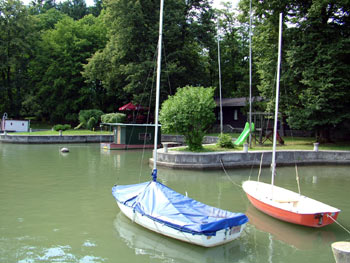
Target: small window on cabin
{"type": "Point", "coordinates": [235, 115]}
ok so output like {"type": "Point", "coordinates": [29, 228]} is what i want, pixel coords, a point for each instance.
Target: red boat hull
{"type": "Point", "coordinates": [311, 220]}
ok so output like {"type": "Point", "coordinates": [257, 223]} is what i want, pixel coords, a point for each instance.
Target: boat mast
{"type": "Point", "coordinates": [250, 73]}
{"type": "Point", "coordinates": [273, 164]}
{"type": "Point", "coordinates": [221, 119]}
{"type": "Point", "coordinates": [159, 61]}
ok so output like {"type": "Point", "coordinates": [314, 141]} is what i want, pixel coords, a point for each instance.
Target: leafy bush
{"type": "Point", "coordinates": [91, 123]}
{"type": "Point", "coordinates": [189, 112]}
{"type": "Point", "coordinates": [113, 118]}
{"type": "Point", "coordinates": [62, 127]}
{"type": "Point", "coordinates": [90, 118]}
{"type": "Point", "coordinates": [225, 141]}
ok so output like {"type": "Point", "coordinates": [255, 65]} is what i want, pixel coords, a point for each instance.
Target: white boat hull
{"type": "Point", "coordinates": [221, 237]}
{"type": "Point", "coordinates": [289, 206]}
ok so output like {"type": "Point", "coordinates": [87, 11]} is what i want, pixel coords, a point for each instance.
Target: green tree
{"type": "Point", "coordinates": [48, 19]}
{"type": "Point", "coordinates": [41, 6]}
{"type": "Point", "coordinates": [96, 9]}
{"type": "Point", "coordinates": [76, 9]}
{"type": "Point", "coordinates": [318, 69]}
{"type": "Point", "coordinates": [189, 112]}
{"type": "Point", "coordinates": [234, 52]}
{"type": "Point", "coordinates": [315, 59]}
{"type": "Point", "coordinates": [17, 35]}
{"type": "Point", "coordinates": [58, 89]}
{"type": "Point", "coordinates": [124, 68]}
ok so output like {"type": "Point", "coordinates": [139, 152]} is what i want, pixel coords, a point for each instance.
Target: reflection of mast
{"type": "Point", "coordinates": [270, 248]}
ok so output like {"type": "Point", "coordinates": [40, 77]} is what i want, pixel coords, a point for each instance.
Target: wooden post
{"type": "Point", "coordinates": [245, 147]}
{"type": "Point", "coordinates": [316, 146]}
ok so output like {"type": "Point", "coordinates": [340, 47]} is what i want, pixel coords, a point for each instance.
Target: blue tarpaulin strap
{"type": "Point", "coordinates": [154, 175]}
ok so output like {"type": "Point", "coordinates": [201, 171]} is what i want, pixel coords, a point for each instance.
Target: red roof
{"type": "Point", "coordinates": [128, 106]}
{"type": "Point", "coordinates": [131, 106]}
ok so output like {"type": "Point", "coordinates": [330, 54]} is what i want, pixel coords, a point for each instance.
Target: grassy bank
{"type": "Point", "coordinates": [290, 143]}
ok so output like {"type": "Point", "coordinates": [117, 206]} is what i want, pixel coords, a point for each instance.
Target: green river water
{"type": "Point", "coordinates": [58, 207]}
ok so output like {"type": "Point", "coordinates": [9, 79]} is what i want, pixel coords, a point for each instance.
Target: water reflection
{"type": "Point", "coordinates": [30, 253]}
{"type": "Point", "coordinates": [156, 246]}
{"type": "Point", "coordinates": [300, 237]}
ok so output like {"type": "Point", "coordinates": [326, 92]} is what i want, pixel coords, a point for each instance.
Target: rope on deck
{"type": "Point", "coordinates": [338, 223]}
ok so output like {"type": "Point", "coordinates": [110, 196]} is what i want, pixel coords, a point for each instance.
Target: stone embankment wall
{"type": "Point", "coordinates": [55, 139]}
{"type": "Point", "coordinates": [237, 159]}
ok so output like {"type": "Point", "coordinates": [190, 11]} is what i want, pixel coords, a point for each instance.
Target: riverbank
{"type": "Point", "coordinates": [42, 139]}
{"type": "Point", "coordinates": [200, 161]}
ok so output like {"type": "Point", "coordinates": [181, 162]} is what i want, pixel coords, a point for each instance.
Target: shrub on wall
{"type": "Point", "coordinates": [90, 118]}
{"type": "Point", "coordinates": [113, 118]}
{"type": "Point", "coordinates": [61, 127]}
{"type": "Point", "coordinates": [225, 141]}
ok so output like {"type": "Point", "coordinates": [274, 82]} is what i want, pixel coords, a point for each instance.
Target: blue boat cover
{"type": "Point", "coordinates": [162, 204]}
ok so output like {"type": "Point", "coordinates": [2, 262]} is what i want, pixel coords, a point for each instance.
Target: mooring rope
{"type": "Point", "coordinates": [297, 178]}
{"type": "Point", "coordinates": [223, 167]}
{"type": "Point", "coordinates": [234, 183]}
{"type": "Point", "coordinates": [251, 167]}
{"type": "Point", "coordinates": [338, 224]}
{"type": "Point", "coordinates": [261, 160]}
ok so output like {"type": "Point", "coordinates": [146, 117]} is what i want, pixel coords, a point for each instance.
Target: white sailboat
{"type": "Point", "coordinates": [161, 209]}
{"type": "Point", "coordinates": [281, 203]}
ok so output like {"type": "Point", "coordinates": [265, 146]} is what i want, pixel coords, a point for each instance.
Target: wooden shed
{"type": "Point", "coordinates": [131, 136]}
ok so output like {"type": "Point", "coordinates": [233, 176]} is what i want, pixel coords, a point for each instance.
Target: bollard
{"type": "Point", "coordinates": [165, 145]}
{"type": "Point", "coordinates": [316, 146]}
{"type": "Point", "coordinates": [60, 132]}
{"type": "Point", "coordinates": [245, 147]}
{"type": "Point", "coordinates": [341, 251]}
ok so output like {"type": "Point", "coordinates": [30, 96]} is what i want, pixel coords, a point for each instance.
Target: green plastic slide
{"type": "Point", "coordinates": [244, 135]}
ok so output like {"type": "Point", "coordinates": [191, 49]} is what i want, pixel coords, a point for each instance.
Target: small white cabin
{"type": "Point", "coordinates": [14, 125]}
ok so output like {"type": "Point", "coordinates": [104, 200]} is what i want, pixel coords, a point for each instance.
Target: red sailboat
{"type": "Point", "coordinates": [281, 203]}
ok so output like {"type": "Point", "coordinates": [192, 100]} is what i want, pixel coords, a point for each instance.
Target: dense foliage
{"type": "Point", "coordinates": [315, 85]}
{"type": "Point", "coordinates": [58, 58]}
{"type": "Point", "coordinates": [189, 112]}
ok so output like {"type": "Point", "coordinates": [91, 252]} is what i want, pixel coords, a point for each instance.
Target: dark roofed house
{"type": "Point", "coordinates": [232, 111]}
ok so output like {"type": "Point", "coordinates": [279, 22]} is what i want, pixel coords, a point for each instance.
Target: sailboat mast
{"type": "Point", "coordinates": [159, 61]}
{"type": "Point", "coordinates": [250, 73]}
{"type": "Point", "coordinates": [221, 119]}
{"type": "Point", "coordinates": [273, 164]}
